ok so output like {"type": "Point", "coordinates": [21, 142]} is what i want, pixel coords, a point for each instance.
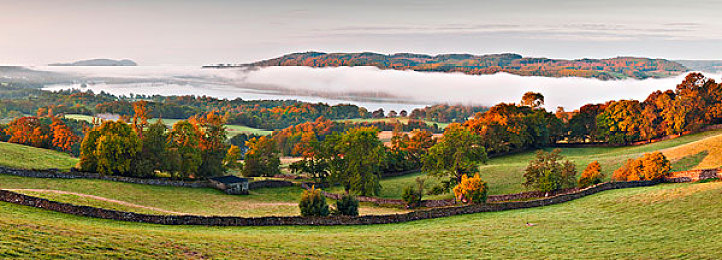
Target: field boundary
{"type": "Point", "coordinates": [56, 174]}
{"type": "Point", "coordinates": [93, 212]}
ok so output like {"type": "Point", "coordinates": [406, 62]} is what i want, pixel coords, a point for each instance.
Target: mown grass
{"type": "Point", "coordinates": [197, 201]}
{"type": "Point", "coordinates": [663, 221]}
{"type": "Point", "coordinates": [27, 157]}
{"type": "Point", "coordinates": [233, 130]}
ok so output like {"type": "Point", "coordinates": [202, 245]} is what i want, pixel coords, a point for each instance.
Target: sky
{"type": "Point", "coordinates": [182, 32]}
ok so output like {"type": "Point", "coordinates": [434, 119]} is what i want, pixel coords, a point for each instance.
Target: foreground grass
{"type": "Point", "coordinates": [27, 157]}
{"type": "Point", "coordinates": [664, 221]}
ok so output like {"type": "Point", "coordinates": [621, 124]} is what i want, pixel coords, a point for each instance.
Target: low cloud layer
{"type": "Point", "coordinates": [366, 86]}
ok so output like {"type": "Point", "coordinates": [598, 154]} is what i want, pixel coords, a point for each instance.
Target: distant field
{"type": "Point", "coordinates": [27, 157]}
{"type": "Point", "coordinates": [402, 120]}
{"type": "Point", "coordinates": [659, 222]}
{"type": "Point", "coordinates": [233, 130]}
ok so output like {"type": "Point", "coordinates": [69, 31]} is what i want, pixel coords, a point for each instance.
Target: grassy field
{"type": "Point", "coordinates": [663, 221]}
{"type": "Point", "coordinates": [261, 202]}
{"type": "Point", "coordinates": [233, 130]}
{"type": "Point", "coordinates": [402, 120]}
{"type": "Point", "coordinates": [27, 157]}
{"type": "Point", "coordinates": [505, 174]}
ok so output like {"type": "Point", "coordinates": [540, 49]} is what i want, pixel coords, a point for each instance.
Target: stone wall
{"type": "Point", "coordinates": [155, 181]}
{"type": "Point", "coordinates": [93, 212]}
{"type": "Point", "coordinates": [84, 175]}
{"type": "Point", "coordinates": [694, 175]}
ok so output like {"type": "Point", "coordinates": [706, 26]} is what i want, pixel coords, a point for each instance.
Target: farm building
{"type": "Point", "coordinates": [230, 184]}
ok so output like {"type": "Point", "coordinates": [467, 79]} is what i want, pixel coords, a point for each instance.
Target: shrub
{"type": "Point", "coordinates": [412, 195]}
{"type": "Point", "coordinates": [347, 205]}
{"type": "Point", "coordinates": [651, 166]}
{"type": "Point", "coordinates": [548, 173]}
{"type": "Point", "coordinates": [471, 190]}
{"type": "Point", "coordinates": [313, 203]}
{"type": "Point", "coordinates": [591, 175]}
{"type": "Point", "coordinates": [655, 166]}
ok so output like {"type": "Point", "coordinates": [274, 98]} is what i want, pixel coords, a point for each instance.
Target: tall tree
{"type": "Point", "coordinates": [184, 142]}
{"type": "Point", "coordinates": [356, 158]}
{"type": "Point", "coordinates": [261, 159]}
{"type": "Point", "coordinates": [457, 153]}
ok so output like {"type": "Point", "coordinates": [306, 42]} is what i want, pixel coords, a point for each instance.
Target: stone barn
{"type": "Point", "coordinates": [230, 184]}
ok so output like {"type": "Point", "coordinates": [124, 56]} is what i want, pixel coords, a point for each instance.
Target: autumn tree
{"type": "Point", "coordinates": [456, 154]}
{"type": "Point", "coordinates": [232, 156]}
{"type": "Point", "coordinates": [313, 161]}
{"type": "Point", "coordinates": [183, 148]}
{"type": "Point", "coordinates": [261, 159]}
{"type": "Point", "coordinates": [621, 121]}
{"type": "Point", "coordinates": [591, 175]}
{"type": "Point", "coordinates": [471, 190]}
{"type": "Point", "coordinates": [546, 172]}
{"type": "Point", "coordinates": [212, 144]}
{"type": "Point", "coordinates": [651, 166]}
{"type": "Point", "coordinates": [532, 99]}
{"type": "Point", "coordinates": [63, 137]}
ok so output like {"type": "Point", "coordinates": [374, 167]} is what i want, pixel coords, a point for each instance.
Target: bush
{"type": "Point", "coordinates": [651, 166]}
{"type": "Point", "coordinates": [412, 195]}
{"type": "Point", "coordinates": [313, 203]}
{"type": "Point", "coordinates": [471, 190]}
{"type": "Point", "coordinates": [546, 172]}
{"type": "Point", "coordinates": [591, 175]}
{"type": "Point", "coordinates": [347, 205]}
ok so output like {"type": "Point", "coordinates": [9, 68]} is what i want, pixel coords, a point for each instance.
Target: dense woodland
{"type": "Point", "coordinates": [615, 68]}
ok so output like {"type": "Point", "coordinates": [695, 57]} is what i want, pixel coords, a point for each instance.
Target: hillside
{"type": "Point", "coordinates": [27, 157]}
{"type": "Point", "coordinates": [663, 221]}
{"type": "Point", "coordinates": [605, 69]}
{"type": "Point", "coordinates": [98, 62]}
{"type": "Point", "coordinates": [712, 66]}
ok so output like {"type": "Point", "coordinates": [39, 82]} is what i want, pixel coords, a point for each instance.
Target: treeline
{"type": "Point", "coordinates": [47, 132]}
{"type": "Point", "coordinates": [289, 138]}
{"type": "Point", "coordinates": [446, 113]}
{"type": "Point", "coordinates": [193, 148]}
{"type": "Point", "coordinates": [614, 68]}
{"type": "Point", "coordinates": [695, 103]}
{"type": "Point", "coordinates": [354, 158]}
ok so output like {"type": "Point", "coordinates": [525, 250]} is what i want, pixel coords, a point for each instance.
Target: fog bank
{"type": "Point", "coordinates": [365, 86]}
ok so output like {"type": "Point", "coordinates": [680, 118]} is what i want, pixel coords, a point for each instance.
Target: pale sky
{"type": "Point", "coordinates": [214, 31]}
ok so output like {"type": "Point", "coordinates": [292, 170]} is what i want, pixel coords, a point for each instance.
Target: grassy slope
{"type": "Point", "coordinates": [505, 174]}
{"type": "Point", "coordinates": [664, 221]}
{"type": "Point", "coordinates": [232, 129]}
{"type": "Point", "coordinates": [26, 157]}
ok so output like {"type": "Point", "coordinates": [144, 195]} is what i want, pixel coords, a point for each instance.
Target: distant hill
{"type": "Point", "coordinates": [98, 62]}
{"type": "Point", "coordinates": [702, 65]}
{"type": "Point", "coordinates": [605, 69]}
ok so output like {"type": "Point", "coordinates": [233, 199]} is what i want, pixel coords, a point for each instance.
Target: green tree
{"type": "Point", "coordinates": [313, 203]}
{"type": "Point", "coordinates": [117, 146]}
{"type": "Point", "coordinates": [261, 159]}
{"type": "Point", "coordinates": [546, 172]}
{"type": "Point", "coordinates": [232, 157]}
{"type": "Point", "coordinates": [458, 153]}
{"type": "Point", "coordinates": [154, 150]}
{"type": "Point", "coordinates": [355, 159]}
